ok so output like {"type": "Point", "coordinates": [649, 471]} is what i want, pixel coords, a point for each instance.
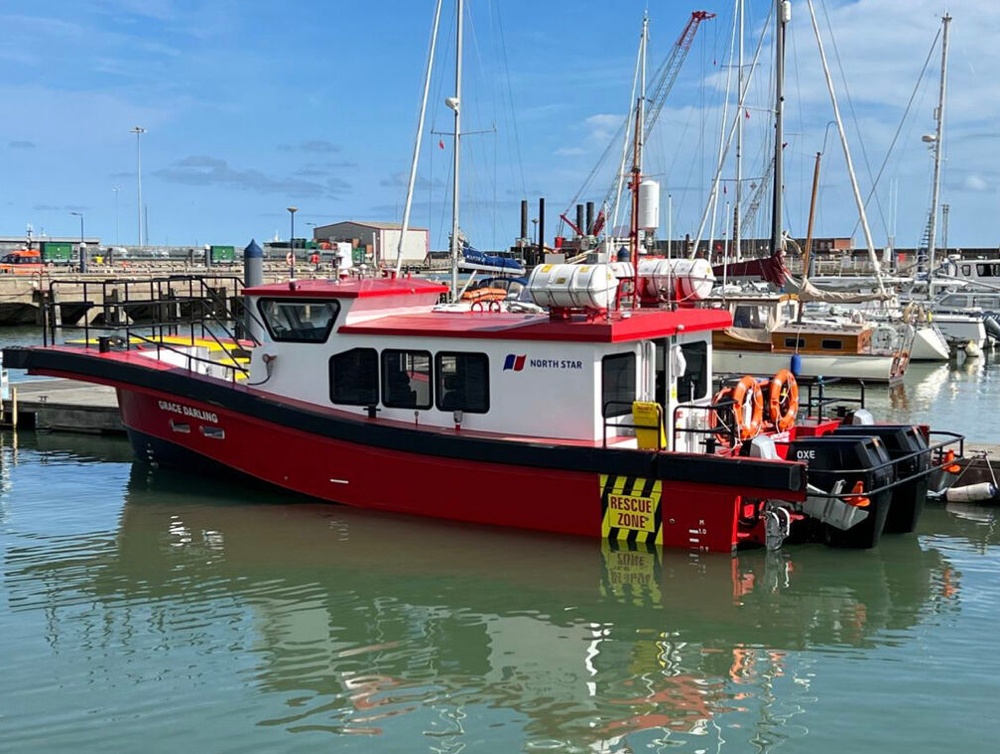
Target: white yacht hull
{"type": "Point", "coordinates": [845, 367]}
{"type": "Point", "coordinates": [929, 344]}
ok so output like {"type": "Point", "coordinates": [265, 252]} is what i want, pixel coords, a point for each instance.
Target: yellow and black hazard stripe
{"type": "Point", "coordinates": [630, 509]}
{"type": "Point", "coordinates": [632, 573]}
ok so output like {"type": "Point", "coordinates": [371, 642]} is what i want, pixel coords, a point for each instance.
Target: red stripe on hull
{"type": "Point", "coordinates": [695, 516]}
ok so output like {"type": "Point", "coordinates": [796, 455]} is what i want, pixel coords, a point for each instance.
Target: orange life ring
{"type": "Point", "coordinates": [783, 399]}
{"type": "Point", "coordinates": [748, 423]}
{"type": "Point", "coordinates": [720, 419]}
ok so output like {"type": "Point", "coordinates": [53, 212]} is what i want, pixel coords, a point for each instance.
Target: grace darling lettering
{"type": "Point", "coordinates": [194, 413]}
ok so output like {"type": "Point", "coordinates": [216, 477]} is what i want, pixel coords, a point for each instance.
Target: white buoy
{"type": "Point", "coordinates": [971, 493]}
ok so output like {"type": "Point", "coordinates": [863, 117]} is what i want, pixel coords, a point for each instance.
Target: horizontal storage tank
{"type": "Point", "coordinates": [622, 270]}
{"type": "Point", "coordinates": [682, 280]}
{"type": "Point", "coordinates": [576, 286]}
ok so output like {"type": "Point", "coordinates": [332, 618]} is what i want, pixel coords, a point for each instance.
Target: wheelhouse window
{"type": "Point", "coordinates": [354, 377]}
{"type": "Point", "coordinates": [748, 316]}
{"type": "Point", "coordinates": [617, 384]}
{"type": "Point", "coordinates": [406, 379]}
{"type": "Point", "coordinates": [299, 320]}
{"type": "Point", "coordinates": [693, 384]}
{"type": "Point", "coordinates": [463, 382]}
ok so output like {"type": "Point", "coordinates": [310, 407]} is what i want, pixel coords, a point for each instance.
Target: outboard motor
{"type": "Point", "coordinates": [848, 477]}
{"type": "Point", "coordinates": [911, 458]}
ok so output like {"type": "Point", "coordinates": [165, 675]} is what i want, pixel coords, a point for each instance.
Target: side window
{"type": "Point", "coordinates": [831, 344]}
{"type": "Point", "coordinates": [406, 379]}
{"type": "Point", "coordinates": [693, 384]}
{"type": "Point", "coordinates": [463, 382]}
{"type": "Point", "coordinates": [299, 320]}
{"type": "Point", "coordinates": [617, 384]}
{"type": "Point", "coordinates": [354, 377]}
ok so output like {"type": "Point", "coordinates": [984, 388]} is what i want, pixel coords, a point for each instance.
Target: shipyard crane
{"type": "Point", "coordinates": [663, 82]}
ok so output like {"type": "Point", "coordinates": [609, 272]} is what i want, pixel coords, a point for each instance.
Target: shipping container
{"type": "Point", "coordinates": [222, 254]}
{"type": "Point", "coordinates": [56, 252]}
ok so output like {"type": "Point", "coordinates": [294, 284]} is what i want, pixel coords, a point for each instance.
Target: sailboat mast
{"type": "Point", "coordinates": [640, 121]}
{"type": "Point", "coordinates": [417, 142]}
{"type": "Point", "coordinates": [737, 242]}
{"type": "Point", "coordinates": [938, 133]}
{"type": "Point", "coordinates": [783, 16]}
{"type": "Point", "coordinates": [455, 103]}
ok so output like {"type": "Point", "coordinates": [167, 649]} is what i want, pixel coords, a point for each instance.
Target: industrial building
{"type": "Point", "coordinates": [379, 240]}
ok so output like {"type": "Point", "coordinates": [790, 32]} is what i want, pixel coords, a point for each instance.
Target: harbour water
{"type": "Point", "coordinates": [146, 609]}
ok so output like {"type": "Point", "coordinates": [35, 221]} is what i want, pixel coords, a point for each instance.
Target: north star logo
{"type": "Point", "coordinates": [514, 362]}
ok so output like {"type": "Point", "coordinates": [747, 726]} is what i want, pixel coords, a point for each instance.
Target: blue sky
{"type": "Point", "coordinates": [254, 106]}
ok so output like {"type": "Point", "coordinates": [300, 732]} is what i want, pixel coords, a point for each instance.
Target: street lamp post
{"type": "Point", "coordinates": [118, 239]}
{"type": "Point", "coordinates": [83, 245]}
{"type": "Point", "coordinates": [138, 131]}
{"type": "Point", "coordinates": [291, 244]}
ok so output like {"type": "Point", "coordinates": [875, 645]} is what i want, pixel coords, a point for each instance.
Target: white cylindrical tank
{"type": "Point", "coordinates": [622, 270]}
{"type": "Point", "coordinates": [574, 286]}
{"type": "Point", "coordinates": [683, 280]}
{"type": "Point", "coordinates": [649, 204]}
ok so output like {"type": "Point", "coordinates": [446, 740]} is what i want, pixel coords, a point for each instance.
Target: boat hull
{"type": "Point", "coordinates": [845, 367]}
{"type": "Point", "coordinates": [675, 500]}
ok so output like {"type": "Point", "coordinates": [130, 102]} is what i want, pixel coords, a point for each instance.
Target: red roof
{"type": "Point", "coordinates": [638, 325]}
{"type": "Point", "coordinates": [349, 288]}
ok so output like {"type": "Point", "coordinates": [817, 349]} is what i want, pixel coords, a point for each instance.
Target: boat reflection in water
{"type": "Point", "coordinates": [343, 621]}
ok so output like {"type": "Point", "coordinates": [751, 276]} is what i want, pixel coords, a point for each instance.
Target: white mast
{"type": "Point", "coordinates": [938, 133]}
{"type": "Point", "coordinates": [847, 155]}
{"type": "Point", "coordinates": [454, 102]}
{"type": "Point", "coordinates": [739, 141]}
{"type": "Point", "coordinates": [419, 139]}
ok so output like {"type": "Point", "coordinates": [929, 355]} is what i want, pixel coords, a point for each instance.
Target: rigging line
{"type": "Point", "coordinates": [620, 176]}
{"type": "Point", "coordinates": [510, 100]}
{"type": "Point", "coordinates": [420, 135]}
{"type": "Point", "coordinates": [723, 147]}
{"type": "Point", "coordinates": [854, 116]}
{"type": "Point", "coordinates": [732, 131]}
{"type": "Point", "coordinates": [902, 120]}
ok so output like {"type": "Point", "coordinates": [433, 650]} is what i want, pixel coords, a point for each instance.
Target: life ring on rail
{"type": "Point", "coordinates": [720, 419]}
{"type": "Point", "coordinates": [783, 400]}
{"type": "Point", "coordinates": [289, 259]}
{"type": "Point", "coordinates": [749, 408]}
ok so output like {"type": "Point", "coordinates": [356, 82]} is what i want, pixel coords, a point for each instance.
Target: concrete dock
{"type": "Point", "coordinates": [63, 406]}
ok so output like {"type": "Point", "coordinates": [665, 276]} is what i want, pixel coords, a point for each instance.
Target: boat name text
{"type": "Point", "coordinates": [195, 413]}
{"type": "Point", "coordinates": [555, 364]}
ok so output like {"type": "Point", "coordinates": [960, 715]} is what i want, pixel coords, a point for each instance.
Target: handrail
{"type": "Point", "coordinates": [209, 314]}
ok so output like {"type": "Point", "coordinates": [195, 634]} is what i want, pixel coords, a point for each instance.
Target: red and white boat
{"type": "Point", "coordinates": [579, 417]}
{"type": "Point", "coordinates": [589, 419]}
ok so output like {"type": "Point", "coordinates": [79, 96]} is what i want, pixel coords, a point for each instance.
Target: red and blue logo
{"type": "Point", "coordinates": [514, 362]}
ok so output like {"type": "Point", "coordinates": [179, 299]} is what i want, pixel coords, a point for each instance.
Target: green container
{"type": "Point", "coordinates": [222, 254]}
{"type": "Point", "coordinates": [56, 252]}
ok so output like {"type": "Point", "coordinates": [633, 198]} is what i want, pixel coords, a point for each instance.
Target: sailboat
{"type": "Point", "coordinates": [964, 326]}
{"type": "Point", "coordinates": [772, 329]}
{"type": "Point", "coordinates": [590, 419]}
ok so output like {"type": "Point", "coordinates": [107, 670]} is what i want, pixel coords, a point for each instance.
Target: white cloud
{"type": "Point", "coordinates": [976, 183]}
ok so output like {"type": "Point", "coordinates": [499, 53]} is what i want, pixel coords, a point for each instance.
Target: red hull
{"type": "Point", "coordinates": [694, 516]}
